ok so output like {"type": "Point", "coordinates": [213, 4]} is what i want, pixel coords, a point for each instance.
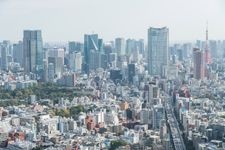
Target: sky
{"type": "Point", "coordinates": [67, 20]}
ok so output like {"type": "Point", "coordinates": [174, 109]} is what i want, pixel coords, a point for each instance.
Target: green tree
{"type": "Point", "coordinates": [116, 144]}
{"type": "Point", "coordinates": [76, 110]}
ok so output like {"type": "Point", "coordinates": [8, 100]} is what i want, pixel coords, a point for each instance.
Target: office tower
{"type": "Point", "coordinates": [108, 49]}
{"type": "Point", "coordinates": [213, 48]}
{"type": "Point", "coordinates": [187, 47]}
{"type": "Point", "coordinates": [75, 61]}
{"type": "Point", "coordinates": [198, 60]}
{"type": "Point", "coordinates": [140, 46]}
{"type": "Point", "coordinates": [113, 60]}
{"type": "Point", "coordinates": [131, 72]}
{"type": "Point", "coordinates": [116, 75]}
{"type": "Point", "coordinates": [158, 43]}
{"type": "Point", "coordinates": [75, 47]}
{"type": "Point", "coordinates": [56, 57]}
{"type": "Point", "coordinates": [18, 52]}
{"type": "Point", "coordinates": [104, 61]}
{"type": "Point", "coordinates": [219, 49]}
{"type": "Point", "coordinates": [223, 48]}
{"type": "Point", "coordinates": [93, 47]}
{"type": "Point", "coordinates": [180, 54]}
{"type": "Point", "coordinates": [100, 46]}
{"type": "Point", "coordinates": [45, 73]}
{"type": "Point", "coordinates": [145, 116]}
{"type": "Point", "coordinates": [51, 72]}
{"type": "Point", "coordinates": [95, 59]}
{"type": "Point", "coordinates": [153, 92]}
{"type": "Point", "coordinates": [120, 46]}
{"type": "Point", "coordinates": [130, 46]}
{"type": "Point", "coordinates": [158, 115]}
{"type": "Point", "coordinates": [5, 47]}
{"type": "Point", "coordinates": [33, 52]}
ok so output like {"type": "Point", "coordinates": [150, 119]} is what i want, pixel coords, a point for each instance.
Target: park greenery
{"type": "Point", "coordinates": [69, 112]}
{"type": "Point", "coordinates": [46, 90]}
{"type": "Point", "coordinates": [116, 144]}
{"type": "Point", "coordinates": [42, 91]}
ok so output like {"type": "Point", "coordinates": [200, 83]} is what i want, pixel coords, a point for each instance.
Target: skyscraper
{"type": "Point", "coordinates": [141, 46]}
{"type": "Point", "coordinates": [5, 48]}
{"type": "Point", "coordinates": [33, 51]}
{"type": "Point", "coordinates": [158, 115]}
{"type": "Point", "coordinates": [120, 46]}
{"type": "Point", "coordinates": [75, 61]}
{"type": "Point", "coordinates": [130, 46]}
{"type": "Point", "coordinates": [131, 72]}
{"type": "Point", "coordinates": [158, 43]}
{"type": "Point", "coordinates": [56, 57]}
{"type": "Point", "coordinates": [93, 47]}
{"type": "Point", "coordinates": [18, 52]}
{"type": "Point", "coordinates": [75, 47]}
{"type": "Point", "coordinates": [199, 67]}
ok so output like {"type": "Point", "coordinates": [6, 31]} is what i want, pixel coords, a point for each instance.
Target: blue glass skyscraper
{"type": "Point", "coordinates": [92, 52]}
{"type": "Point", "coordinates": [158, 44]}
{"type": "Point", "coordinates": [33, 51]}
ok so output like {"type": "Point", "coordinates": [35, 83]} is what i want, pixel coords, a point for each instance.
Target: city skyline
{"type": "Point", "coordinates": [70, 20]}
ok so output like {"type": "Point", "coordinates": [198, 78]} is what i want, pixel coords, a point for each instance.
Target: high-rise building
{"type": "Point", "coordinates": [145, 116]}
{"type": "Point", "coordinates": [187, 47]}
{"type": "Point", "coordinates": [75, 61]}
{"type": "Point", "coordinates": [153, 92]}
{"type": "Point", "coordinates": [18, 52]}
{"type": "Point", "coordinates": [130, 46]}
{"type": "Point", "coordinates": [113, 59]}
{"type": "Point", "coordinates": [213, 48]}
{"type": "Point", "coordinates": [75, 47]}
{"type": "Point", "coordinates": [198, 60]}
{"type": "Point", "coordinates": [120, 46]}
{"type": "Point", "coordinates": [51, 72]}
{"type": "Point", "coordinates": [158, 115]}
{"type": "Point", "coordinates": [33, 51]}
{"type": "Point", "coordinates": [131, 72]}
{"type": "Point", "coordinates": [141, 46]}
{"type": "Point", "coordinates": [5, 47]}
{"type": "Point", "coordinates": [56, 57]}
{"type": "Point", "coordinates": [93, 48]}
{"type": "Point", "coordinates": [158, 44]}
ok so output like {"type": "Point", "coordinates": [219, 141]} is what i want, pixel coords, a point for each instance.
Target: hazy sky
{"type": "Point", "coordinates": [62, 20]}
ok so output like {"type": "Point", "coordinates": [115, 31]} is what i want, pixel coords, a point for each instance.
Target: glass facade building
{"type": "Point", "coordinates": [33, 51]}
{"type": "Point", "coordinates": [158, 44]}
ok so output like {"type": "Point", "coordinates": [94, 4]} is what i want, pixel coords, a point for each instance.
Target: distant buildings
{"type": "Point", "coordinates": [158, 43]}
{"type": "Point", "coordinates": [33, 52]}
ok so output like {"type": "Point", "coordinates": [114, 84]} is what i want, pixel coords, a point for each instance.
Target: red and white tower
{"type": "Point", "coordinates": [208, 59]}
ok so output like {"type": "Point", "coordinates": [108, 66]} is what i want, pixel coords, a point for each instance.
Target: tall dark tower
{"type": "Point", "coordinates": [33, 52]}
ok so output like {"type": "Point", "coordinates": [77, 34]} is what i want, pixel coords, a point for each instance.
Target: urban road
{"type": "Point", "coordinates": [177, 138]}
